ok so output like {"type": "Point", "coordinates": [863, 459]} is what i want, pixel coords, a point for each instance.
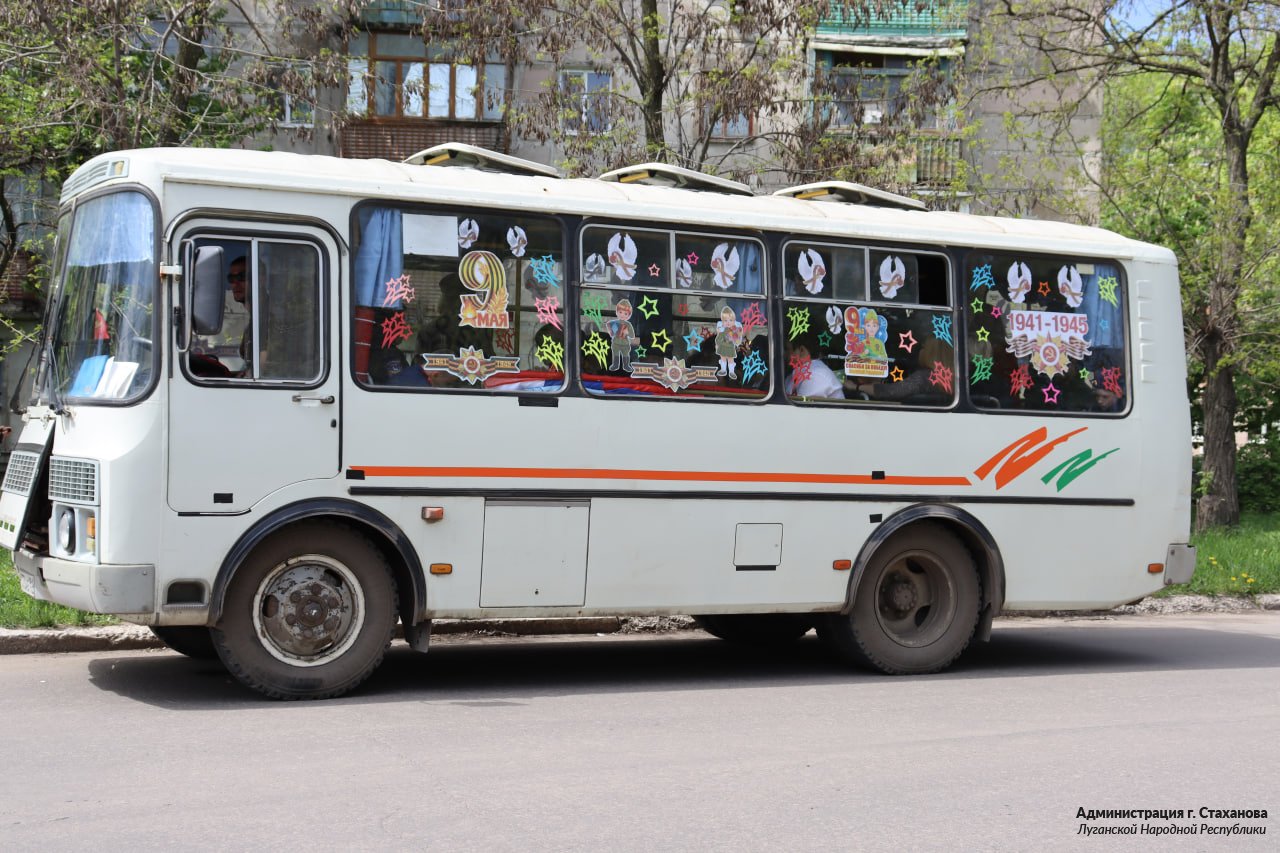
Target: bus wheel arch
{"type": "Point", "coordinates": [382, 533]}
{"type": "Point", "coordinates": [926, 583]}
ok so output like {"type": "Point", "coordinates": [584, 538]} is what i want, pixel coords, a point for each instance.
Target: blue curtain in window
{"type": "Point", "coordinates": [380, 256]}
{"type": "Point", "coordinates": [1106, 325]}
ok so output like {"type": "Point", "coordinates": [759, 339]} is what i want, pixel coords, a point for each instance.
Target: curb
{"type": "Point", "coordinates": [28, 641]}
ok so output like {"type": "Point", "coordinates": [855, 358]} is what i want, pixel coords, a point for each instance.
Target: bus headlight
{"type": "Point", "coordinates": [66, 530]}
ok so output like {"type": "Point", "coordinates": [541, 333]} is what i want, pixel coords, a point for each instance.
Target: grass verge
{"type": "Point", "coordinates": [18, 610]}
{"type": "Point", "coordinates": [1242, 560]}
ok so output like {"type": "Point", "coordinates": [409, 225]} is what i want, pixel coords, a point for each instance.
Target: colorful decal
{"type": "Point", "coordinates": [1050, 338]}
{"type": "Point", "coordinates": [752, 366]}
{"type": "Point", "coordinates": [594, 267]}
{"type": "Point", "coordinates": [622, 256]}
{"type": "Point", "coordinates": [470, 364]}
{"type": "Point", "coordinates": [1020, 381]}
{"type": "Point", "coordinates": [482, 272]}
{"type": "Point", "coordinates": [504, 340]}
{"type": "Point", "coordinates": [594, 304]}
{"type": "Point", "coordinates": [640, 351]}
{"type": "Point", "coordinates": [941, 376]}
{"type": "Point", "coordinates": [977, 305]}
{"type": "Point", "coordinates": [693, 341]}
{"type": "Point", "coordinates": [1107, 290]}
{"type": "Point", "coordinates": [684, 273]}
{"type": "Point", "coordinates": [835, 319]}
{"type": "Point", "coordinates": [1015, 459]}
{"type": "Point", "coordinates": [682, 308]}
{"type": "Point", "coordinates": [812, 269]}
{"type": "Point", "coordinates": [622, 336]}
{"type": "Point", "coordinates": [1070, 286]}
{"type": "Point", "coordinates": [1019, 277]}
{"type": "Point", "coordinates": [942, 328]}
{"type": "Point", "coordinates": [551, 353]}
{"type": "Point", "coordinates": [395, 328]}
{"type": "Point", "coordinates": [468, 233]}
{"type": "Point", "coordinates": [982, 278]}
{"type": "Point", "coordinates": [1075, 466]}
{"type": "Point", "coordinates": [1044, 289]}
{"type": "Point", "coordinates": [692, 258]}
{"type": "Point", "coordinates": [660, 344]}
{"type": "Point", "coordinates": [1111, 380]}
{"type": "Point", "coordinates": [724, 265]}
{"type": "Point", "coordinates": [996, 311]}
{"type": "Point", "coordinates": [517, 240]}
{"type": "Point", "coordinates": [596, 346]}
{"type": "Point", "coordinates": [398, 291]}
{"type": "Point", "coordinates": [907, 341]}
{"type": "Point", "coordinates": [752, 319]}
{"type": "Point", "coordinates": [897, 374]}
{"type": "Point", "coordinates": [654, 270]}
{"type": "Point", "coordinates": [728, 337]}
{"type": "Point", "coordinates": [673, 373]}
{"type": "Point", "coordinates": [983, 335]}
{"type": "Point", "coordinates": [548, 310]}
{"type": "Point", "coordinates": [1086, 377]}
{"type": "Point", "coordinates": [825, 339]}
{"type": "Point", "coordinates": [981, 368]}
{"type": "Point", "coordinates": [893, 274]}
{"type": "Point", "coordinates": [799, 319]}
{"type": "Point", "coordinates": [864, 338]}
{"type": "Point", "coordinates": [544, 270]}
{"type": "Point", "coordinates": [801, 369]}
{"type": "Point", "coordinates": [649, 307]}
{"type": "Point", "coordinates": [1051, 393]}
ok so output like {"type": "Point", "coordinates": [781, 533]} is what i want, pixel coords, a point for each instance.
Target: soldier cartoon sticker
{"type": "Point", "coordinates": [728, 337]}
{"type": "Point", "coordinates": [622, 336]}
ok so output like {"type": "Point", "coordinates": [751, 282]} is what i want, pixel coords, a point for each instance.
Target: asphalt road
{"type": "Point", "coordinates": [667, 742]}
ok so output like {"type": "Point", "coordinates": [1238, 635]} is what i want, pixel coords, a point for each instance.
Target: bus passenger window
{"type": "Point", "coordinates": [1046, 334]}
{"type": "Point", "coordinates": [666, 313]}
{"type": "Point", "coordinates": [466, 301]}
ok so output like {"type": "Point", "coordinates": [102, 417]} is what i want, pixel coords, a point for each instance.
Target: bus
{"type": "Point", "coordinates": [286, 404]}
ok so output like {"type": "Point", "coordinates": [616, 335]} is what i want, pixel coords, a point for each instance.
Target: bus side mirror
{"type": "Point", "coordinates": [207, 298]}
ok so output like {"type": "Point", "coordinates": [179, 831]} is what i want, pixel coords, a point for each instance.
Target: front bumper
{"type": "Point", "coordinates": [115, 589]}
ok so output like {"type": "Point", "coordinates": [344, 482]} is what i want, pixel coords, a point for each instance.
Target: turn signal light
{"type": "Point", "coordinates": [1155, 568]}
{"type": "Point", "coordinates": [442, 568]}
{"type": "Point", "coordinates": [842, 565]}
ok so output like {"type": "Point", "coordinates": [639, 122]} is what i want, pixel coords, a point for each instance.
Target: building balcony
{"type": "Point", "coordinates": [398, 138]}
{"type": "Point", "coordinates": [931, 19]}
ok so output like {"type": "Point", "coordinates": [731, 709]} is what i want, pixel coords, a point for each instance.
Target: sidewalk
{"type": "Point", "coordinates": [15, 641]}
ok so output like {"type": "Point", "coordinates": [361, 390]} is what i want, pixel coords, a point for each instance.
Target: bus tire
{"type": "Point", "coordinates": [916, 605]}
{"type": "Point", "coordinates": [309, 615]}
{"type": "Point", "coordinates": [756, 629]}
{"type": "Point", "coordinates": [193, 641]}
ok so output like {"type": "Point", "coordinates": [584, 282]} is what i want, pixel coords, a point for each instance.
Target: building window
{"type": "Point", "coordinates": [297, 108]}
{"type": "Point", "coordinates": [739, 126]}
{"type": "Point", "coordinates": [868, 88]}
{"type": "Point", "coordinates": [397, 75]}
{"type": "Point", "coordinates": [588, 95]}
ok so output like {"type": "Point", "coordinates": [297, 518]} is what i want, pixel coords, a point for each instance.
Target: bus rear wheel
{"type": "Point", "coordinates": [916, 605]}
{"type": "Point", "coordinates": [756, 629]}
{"type": "Point", "coordinates": [309, 615]}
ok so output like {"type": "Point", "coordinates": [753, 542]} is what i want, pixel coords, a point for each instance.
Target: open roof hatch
{"type": "Point", "coordinates": [851, 193]}
{"type": "Point", "coordinates": [664, 175]}
{"type": "Point", "coordinates": [474, 157]}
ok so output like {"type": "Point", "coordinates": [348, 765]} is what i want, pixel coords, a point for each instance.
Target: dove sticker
{"type": "Point", "coordinates": [622, 256]}
{"type": "Point", "coordinates": [812, 269]}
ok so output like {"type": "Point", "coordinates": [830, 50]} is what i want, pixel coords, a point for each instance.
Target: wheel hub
{"type": "Point", "coordinates": [305, 609]}
{"type": "Point", "coordinates": [902, 596]}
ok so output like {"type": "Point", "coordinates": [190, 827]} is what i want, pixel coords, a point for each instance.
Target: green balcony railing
{"type": "Point", "coordinates": [910, 18]}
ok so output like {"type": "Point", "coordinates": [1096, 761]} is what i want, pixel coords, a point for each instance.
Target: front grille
{"type": "Point", "coordinates": [73, 480]}
{"type": "Point", "coordinates": [21, 473]}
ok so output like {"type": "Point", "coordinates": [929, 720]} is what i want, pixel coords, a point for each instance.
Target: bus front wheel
{"type": "Point", "coordinates": [309, 615]}
{"type": "Point", "coordinates": [916, 605]}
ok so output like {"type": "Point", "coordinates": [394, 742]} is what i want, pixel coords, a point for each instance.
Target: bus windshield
{"type": "Point", "coordinates": [103, 315]}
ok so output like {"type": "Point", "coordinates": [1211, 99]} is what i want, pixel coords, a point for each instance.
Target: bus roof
{"type": "Point", "coordinates": [383, 179]}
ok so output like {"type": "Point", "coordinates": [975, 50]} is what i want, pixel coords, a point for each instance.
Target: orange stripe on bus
{"type": "Point", "coordinates": [635, 474]}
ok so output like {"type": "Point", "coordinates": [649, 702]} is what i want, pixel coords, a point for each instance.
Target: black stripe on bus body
{"type": "Point", "coordinates": [584, 494]}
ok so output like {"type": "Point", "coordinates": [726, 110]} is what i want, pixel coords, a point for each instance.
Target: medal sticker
{"type": "Point", "coordinates": [483, 273]}
{"type": "Point", "coordinates": [470, 364]}
{"type": "Point", "coordinates": [1048, 338]}
{"type": "Point", "coordinates": [673, 373]}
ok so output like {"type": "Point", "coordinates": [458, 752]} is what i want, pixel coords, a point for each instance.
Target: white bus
{"type": "Point", "coordinates": [286, 401]}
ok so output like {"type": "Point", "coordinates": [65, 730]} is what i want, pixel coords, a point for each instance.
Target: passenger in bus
{"type": "Point", "coordinates": [814, 379]}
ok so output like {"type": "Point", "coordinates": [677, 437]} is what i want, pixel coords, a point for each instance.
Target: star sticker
{"type": "Point", "coordinates": [996, 312]}
{"type": "Point", "coordinates": [692, 258]}
{"type": "Point", "coordinates": [660, 344]}
{"type": "Point", "coordinates": [1051, 398]}
{"type": "Point", "coordinates": [1086, 376]}
{"type": "Point", "coordinates": [1044, 289]}
{"type": "Point", "coordinates": [651, 304]}
{"type": "Point", "coordinates": [824, 339]}
{"type": "Point", "coordinates": [654, 270]}
{"type": "Point", "coordinates": [983, 335]}
{"type": "Point", "coordinates": [903, 338]}
{"type": "Point", "coordinates": [640, 351]}
{"type": "Point", "coordinates": [682, 308]}
{"type": "Point", "coordinates": [897, 375]}
{"type": "Point", "coordinates": [693, 341]}
{"type": "Point", "coordinates": [976, 305]}
{"type": "Point", "coordinates": [1107, 289]}
{"type": "Point", "coordinates": [1104, 324]}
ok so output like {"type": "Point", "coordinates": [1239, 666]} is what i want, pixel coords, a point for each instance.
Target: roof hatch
{"type": "Point", "coordinates": [851, 193]}
{"type": "Point", "coordinates": [665, 175]}
{"type": "Point", "coordinates": [473, 157]}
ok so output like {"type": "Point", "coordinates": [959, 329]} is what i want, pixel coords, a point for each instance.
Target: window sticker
{"type": "Point", "coordinates": [1107, 286]}
{"type": "Point", "coordinates": [594, 268]}
{"type": "Point", "coordinates": [468, 233]}
{"type": "Point", "coordinates": [752, 318]}
{"type": "Point", "coordinates": [470, 364]}
{"type": "Point", "coordinates": [942, 328]}
{"type": "Point", "coordinates": [673, 374]}
{"type": "Point", "coordinates": [548, 310]}
{"type": "Point", "coordinates": [622, 256]}
{"type": "Point", "coordinates": [1049, 338]}
{"type": "Point", "coordinates": [812, 269]}
{"type": "Point", "coordinates": [729, 336]}
{"type": "Point", "coordinates": [594, 304]}
{"type": "Point", "coordinates": [622, 336]}
{"type": "Point", "coordinates": [398, 291]}
{"type": "Point", "coordinates": [1019, 281]}
{"type": "Point", "coordinates": [835, 320]}
{"type": "Point", "coordinates": [724, 265]}
{"type": "Point", "coordinates": [1070, 286]}
{"type": "Point", "coordinates": [798, 317]}
{"type": "Point", "coordinates": [655, 270]}
{"type": "Point", "coordinates": [864, 340]}
{"type": "Point", "coordinates": [544, 271]}
{"type": "Point", "coordinates": [517, 240]}
{"type": "Point", "coordinates": [753, 366]}
{"type": "Point", "coordinates": [941, 376]}
{"type": "Point", "coordinates": [684, 273]}
{"type": "Point", "coordinates": [395, 329]}
{"type": "Point", "coordinates": [597, 346]}
{"type": "Point", "coordinates": [893, 274]}
{"type": "Point", "coordinates": [483, 273]}
{"type": "Point", "coordinates": [550, 352]}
